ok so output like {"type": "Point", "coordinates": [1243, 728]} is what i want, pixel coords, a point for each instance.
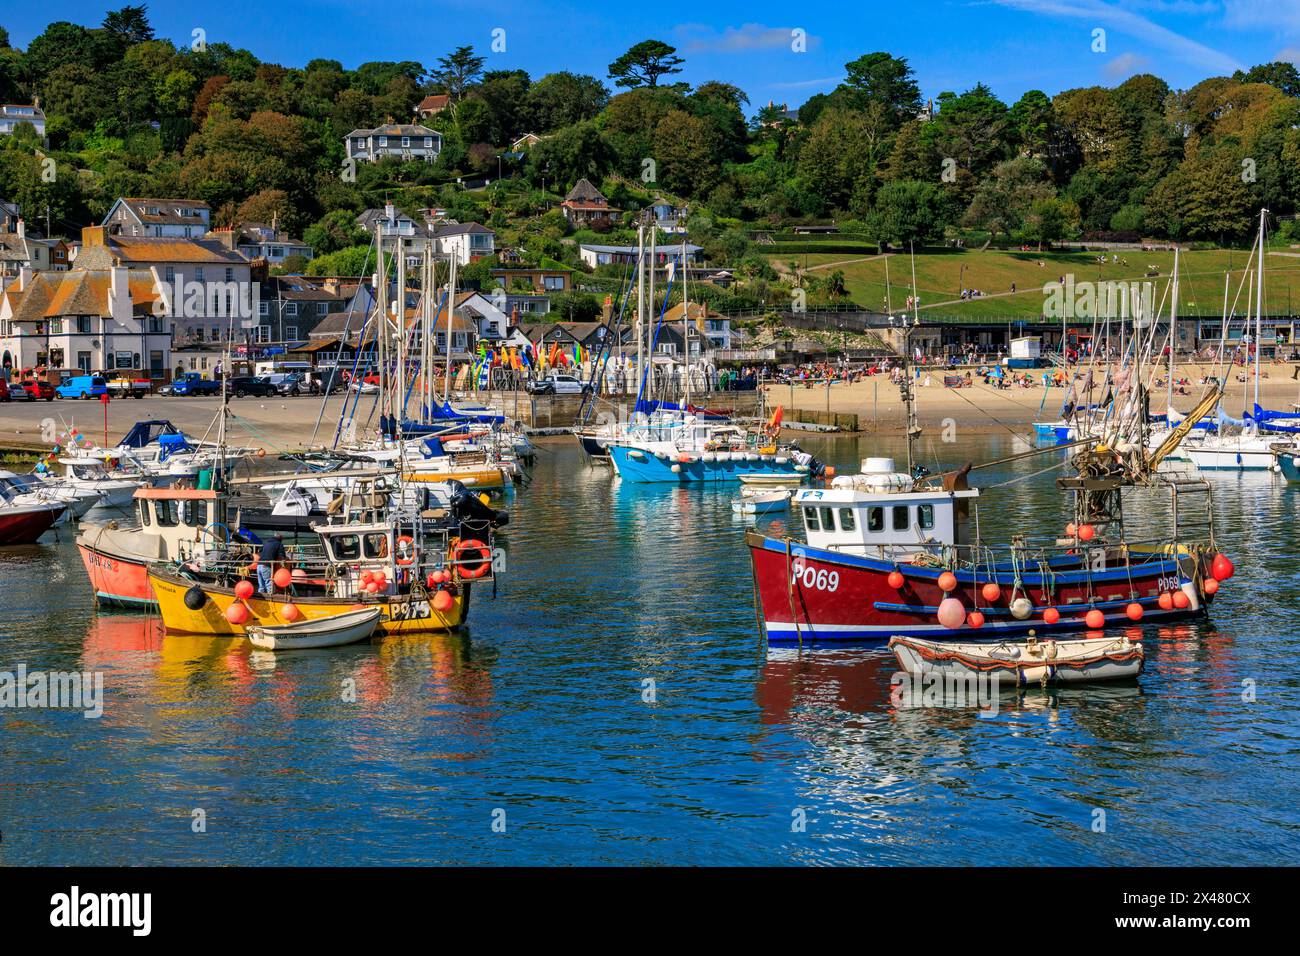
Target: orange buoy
{"type": "Point", "coordinates": [828, 472]}
{"type": "Point", "coordinates": [283, 578]}
{"type": "Point", "coordinates": [244, 590]}
{"type": "Point", "coordinates": [442, 602]}
{"type": "Point", "coordinates": [366, 576]}
{"type": "Point", "coordinates": [975, 619]}
{"type": "Point", "coordinates": [237, 613]}
{"type": "Point", "coordinates": [1095, 619]}
{"type": "Point", "coordinates": [947, 581]}
{"type": "Point", "coordinates": [1051, 616]}
{"type": "Point", "coordinates": [1166, 601]}
{"type": "Point", "coordinates": [1071, 530]}
{"type": "Point", "coordinates": [1181, 600]}
{"type": "Point", "coordinates": [290, 612]}
{"type": "Point", "coordinates": [1087, 532]}
{"type": "Point", "coordinates": [1134, 611]}
{"type": "Point", "coordinates": [371, 588]}
{"type": "Point", "coordinates": [991, 592]}
{"type": "Point", "coordinates": [1211, 586]}
{"type": "Point", "coordinates": [896, 580]}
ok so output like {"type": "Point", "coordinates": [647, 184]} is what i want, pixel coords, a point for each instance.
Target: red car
{"type": "Point", "coordinates": [37, 389]}
{"type": "Point", "coordinates": [4, 391]}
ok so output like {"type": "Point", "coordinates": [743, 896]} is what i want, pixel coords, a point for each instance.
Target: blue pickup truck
{"type": "Point", "coordinates": [193, 383]}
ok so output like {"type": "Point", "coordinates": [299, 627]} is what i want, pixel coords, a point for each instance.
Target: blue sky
{"type": "Point", "coordinates": [1011, 45]}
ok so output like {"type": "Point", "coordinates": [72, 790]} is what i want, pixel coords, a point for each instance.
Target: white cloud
{"type": "Point", "coordinates": [1125, 65]}
{"type": "Point", "coordinates": [1127, 22]}
{"type": "Point", "coordinates": [752, 36]}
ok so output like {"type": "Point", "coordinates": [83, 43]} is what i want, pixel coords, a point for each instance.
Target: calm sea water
{"type": "Point", "coordinates": [538, 718]}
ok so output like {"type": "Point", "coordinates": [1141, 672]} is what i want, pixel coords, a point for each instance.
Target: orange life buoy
{"type": "Point", "coordinates": [472, 569]}
{"type": "Point", "coordinates": [409, 549]}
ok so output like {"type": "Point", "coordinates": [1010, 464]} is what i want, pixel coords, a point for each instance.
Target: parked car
{"type": "Point", "coordinates": [129, 385]}
{"type": "Point", "coordinates": [292, 383]}
{"type": "Point", "coordinates": [193, 383]}
{"type": "Point", "coordinates": [37, 389]}
{"type": "Point", "coordinates": [4, 391]}
{"type": "Point", "coordinates": [82, 387]}
{"type": "Point", "coordinates": [558, 385]}
{"type": "Point", "coordinates": [327, 380]}
{"type": "Point", "coordinates": [250, 385]}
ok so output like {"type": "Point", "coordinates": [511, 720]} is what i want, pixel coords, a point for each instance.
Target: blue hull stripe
{"type": "Point", "coordinates": [654, 470]}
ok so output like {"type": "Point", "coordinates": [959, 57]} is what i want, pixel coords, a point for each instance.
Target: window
{"type": "Point", "coordinates": [263, 307]}
{"type": "Point", "coordinates": [291, 333]}
{"type": "Point", "coordinates": [810, 519]}
{"type": "Point", "coordinates": [165, 512]}
{"type": "Point", "coordinates": [406, 142]}
{"type": "Point", "coordinates": [383, 141]}
{"type": "Point", "coordinates": [322, 308]}
{"type": "Point", "coordinates": [828, 519]}
{"type": "Point", "coordinates": [194, 514]}
{"type": "Point", "coordinates": [144, 513]}
{"type": "Point", "coordinates": [198, 334]}
{"type": "Point", "coordinates": [901, 517]}
{"type": "Point", "coordinates": [263, 333]}
{"type": "Point", "coordinates": [83, 324]}
{"type": "Point", "coordinates": [553, 283]}
{"type": "Point", "coordinates": [428, 142]}
{"type": "Point", "coordinates": [376, 545]}
{"type": "Point", "coordinates": [230, 274]}
{"type": "Point", "coordinates": [170, 273]}
{"type": "Point", "coordinates": [876, 519]}
{"type": "Point", "coordinates": [291, 308]}
{"type": "Point", "coordinates": [925, 516]}
{"type": "Point", "coordinates": [347, 547]}
{"type": "Point", "coordinates": [847, 521]}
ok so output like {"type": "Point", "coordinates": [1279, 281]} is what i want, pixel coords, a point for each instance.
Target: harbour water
{"type": "Point", "coordinates": [613, 704]}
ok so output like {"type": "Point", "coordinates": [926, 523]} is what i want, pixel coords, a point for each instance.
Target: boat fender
{"type": "Point", "coordinates": [1021, 608]}
{"type": "Point", "coordinates": [195, 598]}
{"type": "Point", "coordinates": [638, 456]}
{"type": "Point", "coordinates": [782, 459]}
{"type": "Point", "coordinates": [676, 469]}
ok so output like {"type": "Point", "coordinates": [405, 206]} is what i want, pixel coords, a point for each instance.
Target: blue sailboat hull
{"type": "Point", "coordinates": [634, 464]}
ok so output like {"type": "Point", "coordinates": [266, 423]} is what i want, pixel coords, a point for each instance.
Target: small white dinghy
{"type": "Point", "coordinates": [1018, 663]}
{"type": "Point", "coordinates": [755, 499]}
{"type": "Point", "coordinates": [771, 479]}
{"type": "Point", "coordinates": [335, 631]}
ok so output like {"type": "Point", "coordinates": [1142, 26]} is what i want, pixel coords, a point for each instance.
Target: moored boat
{"type": "Point", "coordinates": [348, 627]}
{"type": "Point", "coordinates": [1018, 663]}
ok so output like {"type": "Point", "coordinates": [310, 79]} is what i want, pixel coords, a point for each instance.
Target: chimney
{"type": "Point", "coordinates": [92, 236]}
{"type": "Point", "coordinates": [24, 277]}
{"type": "Point", "coordinates": [22, 229]}
{"type": "Point", "coordinates": [119, 290]}
{"type": "Point", "coordinates": [607, 310]}
{"type": "Point", "coordinates": [390, 213]}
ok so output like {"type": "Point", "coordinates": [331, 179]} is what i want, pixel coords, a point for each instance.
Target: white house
{"type": "Point", "coordinates": [174, 218]}
{"type": "Point", "coordinates": [14, 114]}
{"type": "Point", "coordinates": [468, 242]}
{"type": "Point", "coordinates": [403, 140]}
{"type": "Point", "coordinates": [91, 320]}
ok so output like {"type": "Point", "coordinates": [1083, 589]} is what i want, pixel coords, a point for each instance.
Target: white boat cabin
{"type": "Point", "coordinates": [878, 514]}
{"type": "Point", "coordinates": [187, 522]}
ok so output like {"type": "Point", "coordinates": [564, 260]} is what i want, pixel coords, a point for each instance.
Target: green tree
{"type": "Point", "coordinates": [563, 99]}
{"type": "Point", "coordinates": [644, 63]}
{"type": "Point", "coordinates": [884, 80]}
{"type": "Point", "coordinates": [687, 163]}
{"type": "Point", "coordinates": [458, 71]}
{"type": "Point", "coordinates": [129, 25]}
{"type": "Point", "coordinates": [908, 211]}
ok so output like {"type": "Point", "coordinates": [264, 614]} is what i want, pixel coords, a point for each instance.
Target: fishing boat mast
{"type": "Point", "coordinates": [450, 310]}
{"type": "Point", "coordinates": [1259, 303]}
{"type": "Point", "coordinates": [686, 327]}
{"type": "Point", "coordinates": [640, 305]}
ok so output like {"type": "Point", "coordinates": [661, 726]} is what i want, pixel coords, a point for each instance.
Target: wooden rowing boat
{"type": "Point", "coordinates": [1018, 663]}
{"type": "Point", "coordinates": [346, 628]}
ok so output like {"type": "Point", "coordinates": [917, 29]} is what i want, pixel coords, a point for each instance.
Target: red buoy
{"type": "Point", "coordinates": [442, 602]}
{"type": "Point", "coordinates": [895, 580]}
{"type": "Point", "coordinates": [1134, 611]}
{"type": "Point", "coordinates": [1051, 615]}
{"type": "Point", "coordinates": [1071, 530]}
{"type": "Point", "coordinates": [290, 612]}
{"type": "Point", "coordinates": [1211, 587]}
{"type": "Point", "coordinates": [282, 578]}
{"type": "Point", "coordinates": [1222, 568]}
{"type": "Point", "coordinates": [1095, 619]}
{"type": "Point", "coordinates": [975, 618]}
{"type": "Point", "coordinates": [1166, 601]}
{"type": "Point", "coordinates": [244, 590]}
{"type": "Point", "coordinates": [991, 592]}
{"type": "Point", "coordinates": [1181, 600]}
{"type": "Point", "coordinates": [1087, 532]}
{"type": "Point", "coordinates": [947, 581]}
{"type": "Point", "coordinates": [237, 613]}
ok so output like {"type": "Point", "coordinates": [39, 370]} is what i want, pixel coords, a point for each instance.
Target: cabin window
{"type": "Point", "coordinates": [925, 516]}
{"type": "Point", "coordinates": [195, 514]}
{"type": "Point", "coordinates": [847, 521]}
{"type": "Point", "coordinates": [810, 519]}
{"type": "Point", "coordinates": [347, 547]}
{"type": "Point", "coordinates": [900, 517]}
{"type": "Point", "coordinates": [165, 512]}
{"type": "Point", "coordinates": [828, 519]}
{"type": "Point", "coordinates": [144, 513]}
{"type": "Point", "coordinates": [876, 519]}
{"type": "Point", "coordinates": [377, 545]}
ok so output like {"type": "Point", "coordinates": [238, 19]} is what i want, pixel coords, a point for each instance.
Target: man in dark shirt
{"type": "Point", "coordinates": [272, 551]}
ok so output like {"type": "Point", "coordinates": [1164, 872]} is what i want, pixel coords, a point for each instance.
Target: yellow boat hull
{"type": "Point", "coordinates": [483, 479]}
{"type": "Point", "coordinates": [402, 614]}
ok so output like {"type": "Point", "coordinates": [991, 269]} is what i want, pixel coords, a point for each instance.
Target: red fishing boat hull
{"type": "Point", "coordinates": [806, 594]}
{"type": "Point", "coordinates": [26, 525]}
{"type": "Point", "coordinates": [116, 579]}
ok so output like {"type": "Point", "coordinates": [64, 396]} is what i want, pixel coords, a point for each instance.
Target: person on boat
{"type": "Point", "coordinates": [272, 552]}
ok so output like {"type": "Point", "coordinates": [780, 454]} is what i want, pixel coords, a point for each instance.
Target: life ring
{"type": "Point", "coordinates": [472, 569]}
{"type": "Point", "coordinates": [404, 544]}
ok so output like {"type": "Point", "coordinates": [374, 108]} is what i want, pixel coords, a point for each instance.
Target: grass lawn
{"type": "Point", "coordinates": [941, 275]}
